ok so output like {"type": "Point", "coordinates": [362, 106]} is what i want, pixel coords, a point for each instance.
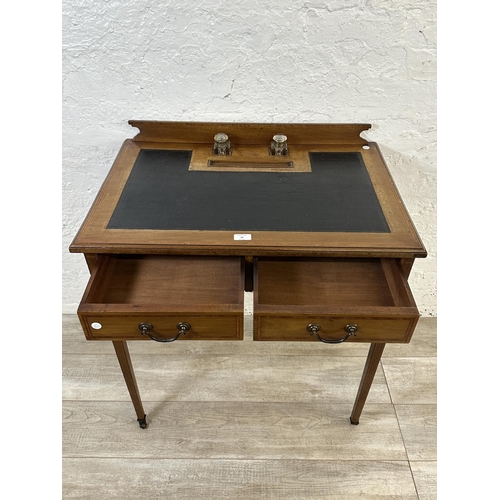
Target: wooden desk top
{"type": "Point", "coordinates": [167, 193]}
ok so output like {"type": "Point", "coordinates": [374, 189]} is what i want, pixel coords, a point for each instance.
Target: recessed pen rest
{"type": "Point", "coordinates": [250, 164]}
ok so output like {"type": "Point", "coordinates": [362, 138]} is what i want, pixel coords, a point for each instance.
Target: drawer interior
{"type": "Point", "coordinates": [167, 281]}
{"type": "Point", "coordinates": [333, 283]}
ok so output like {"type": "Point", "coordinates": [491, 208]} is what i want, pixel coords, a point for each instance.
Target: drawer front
{"type": "Point", "coordinates": [343, 299]}
{"type": "Point", "coordinates": [294, 328]}
{"type": "Point", "coordinates": [201, 297]}
{"type": "Point", "coordinates": [165, 326]}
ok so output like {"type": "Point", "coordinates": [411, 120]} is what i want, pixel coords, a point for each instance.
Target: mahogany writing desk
{"type": "Point", "coordinates": [312, 223]}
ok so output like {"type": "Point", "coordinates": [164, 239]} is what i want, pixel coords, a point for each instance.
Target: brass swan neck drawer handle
{"type": "Point", "coordinates": [147, 328]}
{"type": "Point", "coordinates": [314, 328]}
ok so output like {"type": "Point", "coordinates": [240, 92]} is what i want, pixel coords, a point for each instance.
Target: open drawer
{"type": "Point", "coordinates": [134, 297]}
{"type": "Point", "coordinates": [333, 300]}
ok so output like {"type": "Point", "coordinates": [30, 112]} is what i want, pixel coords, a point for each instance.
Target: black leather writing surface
{"type": "Point", "coordinates": [162, 193]}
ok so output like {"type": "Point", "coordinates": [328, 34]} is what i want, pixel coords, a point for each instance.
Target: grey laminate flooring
{"type": "Point", "coordinates": [249, 420]}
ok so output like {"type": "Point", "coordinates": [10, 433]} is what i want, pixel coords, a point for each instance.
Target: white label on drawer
{"type": "Point", "coordinates": [241, 237]}
{"type": "Point", "coordinates": [96, 326]}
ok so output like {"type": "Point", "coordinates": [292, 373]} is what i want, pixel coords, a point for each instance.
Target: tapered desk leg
{"type": "Point", "coordinates": [374, 355]}
{"type": "Point", "coordinates": [123, 356]}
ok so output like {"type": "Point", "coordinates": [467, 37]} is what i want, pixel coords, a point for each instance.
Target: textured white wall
{"type": "Point", "coordinates": [363, 61]}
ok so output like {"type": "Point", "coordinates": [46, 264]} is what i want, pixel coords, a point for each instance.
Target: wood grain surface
{"type": "Point", "coordinates": [423, 344]}
{"type": "Point", "coordinates": [208, 429]}
{"type": "Point", "coordinates": [117, 479]}
{"type": "Point", "coordinates": [219, 441]}
{"type": "Point", "coordinates": [221, 378]}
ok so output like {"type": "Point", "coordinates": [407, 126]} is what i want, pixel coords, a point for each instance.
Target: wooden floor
{"type": "Point", "coordinates": [249, 420]}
